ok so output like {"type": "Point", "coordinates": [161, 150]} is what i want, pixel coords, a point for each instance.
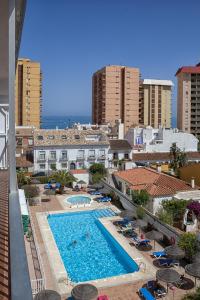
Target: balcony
{"type": "Point", "coordinates": [63, 158]}
{"type": "Point", "coordinates": [52, 159]}
{"type": "Point", "coordinates": [91, 157]}
{"type": "Point", "coordinates": [80, 158]}
{"type": "Point", "coordinates": [41, 159]}
{"type": "Point", "coordinates": [102, 157]}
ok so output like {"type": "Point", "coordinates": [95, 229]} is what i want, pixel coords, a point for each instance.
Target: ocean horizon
{"type": "Point", "coordinates": [62, 122]}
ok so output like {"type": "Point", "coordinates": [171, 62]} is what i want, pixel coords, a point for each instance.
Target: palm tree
{"type": "Point", "coordinates": [63, 177]}
{"type": "Point", "coordinates": [178, 158]}
{"type": "Point", "coordinates": [22, 179]}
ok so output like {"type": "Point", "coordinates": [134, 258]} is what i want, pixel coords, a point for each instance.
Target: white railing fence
{"type": "Point", "coordinates": [39, 283]}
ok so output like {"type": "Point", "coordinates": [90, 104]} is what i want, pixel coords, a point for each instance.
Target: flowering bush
{"type": "Point", "coordinates": [195, 207]}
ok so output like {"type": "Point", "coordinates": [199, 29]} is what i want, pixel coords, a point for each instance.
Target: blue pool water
{"type": "Point", "coordinates": [87, 249]}
{"type": "Point", "coordinates": [79, 200]}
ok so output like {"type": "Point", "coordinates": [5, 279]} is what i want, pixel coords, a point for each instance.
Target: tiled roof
{"type": "Point", "coordinates": [162, 156]}
{"type": "Point", "coordinates": [78, 172]}
{"type": "Point", "coordinates": [69, 137]}
{"type": "Point", "coordinates": [120, 145]}
{"type": "Point", "coordinates": [4, 250]}
{"type": "Point", "coordinates": [189, 69]}
{"type": "Point", "coordinates": [22, 162]}
{"type": "Point", "coordinates": [155, 183]}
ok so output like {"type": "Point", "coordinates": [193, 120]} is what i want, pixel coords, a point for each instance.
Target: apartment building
{"type": "Point", "coordinates": [69, 149]}
{"type": "Point", "coordinates": [155, 102]}
{"type": "Point", "coordinates": [28, 91]}
{"type": "Point", "coordinates": [188, 99]}
{"type": "Point", "coordinates": [115, 95]}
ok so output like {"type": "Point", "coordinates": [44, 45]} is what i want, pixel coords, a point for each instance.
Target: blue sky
{"type": "Point", "coordinates": [74, 38]}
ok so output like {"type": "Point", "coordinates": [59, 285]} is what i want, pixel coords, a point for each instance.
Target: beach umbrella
{"type": "Point", "coordinates": [34, 181]}
{"type": "Point", "coordinates": [127, 214]}
{"type": "Point", "coordinates": [154, 235]}
{"type": "Point", "coordinates": [193, 270]}
{"type": "Point", "coordinates": [167, 275]}
{"type": "Point", "coordinates": [174, 252]}
{"type": "Point", "coordinates": [141, 223]}
{"type": "Point", "coordinates": [47, 295]}
{"type": "Point", "coordinates": [84, 291]}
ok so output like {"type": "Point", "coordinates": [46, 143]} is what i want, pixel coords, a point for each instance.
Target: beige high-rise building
{"type": "Point", "coordinates": [28, 93]}
{"type": "Point", "coordinates": [188, 99]}
{"type": "Point", "coordinates": [155, 102]}
{"type": "Point", "coordinates": [115, 95]}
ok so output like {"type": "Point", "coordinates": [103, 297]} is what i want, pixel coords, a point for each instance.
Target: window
{"type": "Point", "coordinates": [80, 153]}
{"type": "Point", "coordinates": [126, 156]}
{"type": "Point", "coordinates": [77, 137]}
{"type": "Point", "coordinates": [64, 155]}
{"type": "Point", "coordinates": [19, 141]}
{"type": "Point", "coordinates": [42, 155]}
{"type": "Point", "coordinates": [64, 166]}
{"type": "Point", "coordinates": [91, 153]}
{"type": "Point", "coordinates": [101, 153]}
{"type": "Point", "coordinates": [52, 167]}
{"type": "Point", "coordinates": [30, 141]}
{"type": "Point", "coordinates": [40, 137]}
{"type": "Point", "coordinates": [52, 155]}
{"type": "Point", "coordinates": [51, 137]}
{"type": "Point", "coordinates": [63, 137]}
{"type": "Point", "coordinates": [42, 166]}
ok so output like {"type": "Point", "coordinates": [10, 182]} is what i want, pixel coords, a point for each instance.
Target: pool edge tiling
{"type": "Point", "coordinates": [58, 268]}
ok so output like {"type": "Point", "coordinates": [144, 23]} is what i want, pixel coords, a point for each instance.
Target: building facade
{"type": "Point", "coordinates": [155, 102]}
{"type": "Point", "coordinates": [188, 99]}
{"type": "Point", "coordinates": [69, 149]}
{"type": "Point", "coordinates": [28, 93]}
{"type": "Point", "coordinates": [154, 140]}
{"type": "Point", "coordinates": [115, 95]}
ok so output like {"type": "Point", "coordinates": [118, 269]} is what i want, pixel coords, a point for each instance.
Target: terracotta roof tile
{"type": "Point", "coordinates": [155, 183]}
{"type": "Point", "coordinates": [120, 145]}
{"type": "Point", "coordinates": [22, 162]}
{"type": "Point", "coordinates": [163, 156]}
{"type": "Point", "coordinates": [78, 171]}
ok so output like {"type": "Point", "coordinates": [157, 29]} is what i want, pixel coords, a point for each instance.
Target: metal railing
{"type": "Point", "coordinates": [37, 284]}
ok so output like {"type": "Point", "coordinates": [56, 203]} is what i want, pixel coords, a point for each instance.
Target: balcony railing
{"type": "Point", "coordinates": [91, 157]}
{"type": "Point", "coordinates": [63, 158]}
{"type": "Point", "coordinates": [41, 159]}
{"type": "Point", "coordinates": [102, 157]}
{"type": "Point", "coordinates": [50, 159]}
{"type": "Point", "coordinates": [82, 157]}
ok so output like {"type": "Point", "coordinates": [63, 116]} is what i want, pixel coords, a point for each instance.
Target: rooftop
{"type": "Point", "coordinates": [60, 137]}
{"type": "Point", "coordinates": [120, 145]}
{"type": "Point", "coordinates": [155, 183]}
{"type": "Point", "coordinates": [189, 69]}
{"type": "Point", "coordinates": [74, 172]}
{"type": "Point", "coordinates": [158, 82]}
{"type": "Point", "coordinates": [161, 156]}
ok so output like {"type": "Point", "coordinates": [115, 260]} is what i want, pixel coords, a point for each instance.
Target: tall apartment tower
{"type": "Point", "coordinates": [155, 102]}
{"type": "Point", "coordinates": [28, 93]}
{"type": "Point", "coordinates": [115, 95]}
{"type": "Point", "coordinates": [188, 99]}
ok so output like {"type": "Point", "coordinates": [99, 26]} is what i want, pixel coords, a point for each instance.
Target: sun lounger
{"type": "Point", "coordinates": [158, 254]}
{"type": "Point", "coordinates": [123, 222]}
{"type": "Point", "coordinates": [104, 199]}
{"type": "Point", "coordinates": [94, 193]}
{"type": "Point", "coordinates": [140, 242]}
{"type": "Point", "coordinates": [48, 186]}
{"type": "Point", "coordinates": [143, 292]}
{"type": "Point", "coordinates": [168, 262]}
{"type": "Point", "coordinates": [158, 290]}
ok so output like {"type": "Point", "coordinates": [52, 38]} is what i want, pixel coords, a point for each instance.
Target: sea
{"type": "Point", "coordinates": [62, 122]}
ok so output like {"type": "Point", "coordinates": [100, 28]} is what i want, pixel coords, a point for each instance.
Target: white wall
{"type": "Point", "coordinates": [72, 154]}
{"type": "Point", "coordinates": [83, 176]}
{"type": "Point", "coordinates": [3, 135]}
{"type": "Point", "coordinates": [160, 140]}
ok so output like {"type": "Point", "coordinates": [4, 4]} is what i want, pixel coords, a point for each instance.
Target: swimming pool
{"type": "Point", "coordinates": [78, 200]}
{"type": "Point", "coordinates": [87, 249]}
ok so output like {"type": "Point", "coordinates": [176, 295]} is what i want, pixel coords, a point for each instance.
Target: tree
{"type": "Point", "coordinates": [188, 242]}
{"type": "Point", "coordinates": [164, 216]}
{"type": "Point", "coordinates": [193, 296]}
{"type": "Point", "coordinates": [140, 197]}
{"type": "Point", "coordinates": [178, 158]}
{"type": "Point", "coordinates": [97, 168]}
{"type": "Point", "coordinates": [140, 212]}
{"type": "Point", "coordinates": [175, 207]}
{"type": "Point", "coordinates": [63, 177]}
{"type": "Point", "coordinates": [22, 179]}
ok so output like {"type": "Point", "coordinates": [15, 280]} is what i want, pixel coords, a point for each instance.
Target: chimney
{"type": "Point", "coordinates": [192, 182]}
{"type": "Point", "coordinates": [159, 169]}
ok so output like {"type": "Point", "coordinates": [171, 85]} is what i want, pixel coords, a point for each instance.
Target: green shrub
{"type": "Point", "coordinates": [31, 191]}
{"type": "Point", "coordinates": [188, 242]}
{"type": "Point", "coordinates": [97, 168]}
{"type": "Point", "coordinates": [96, 178]}
{"type": "Point", "coordinates": [42, 179]}
{"type": "Point", "coordinates": [193, 296]}
{"type": "Point", "coordinates": [175, 207]}
{"type": "Point", "coordinates": [165, 216]}
{"type": "Point", "coordinates": [140, 212]}
{"type": "Point", "coordinates": [140, 197]}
